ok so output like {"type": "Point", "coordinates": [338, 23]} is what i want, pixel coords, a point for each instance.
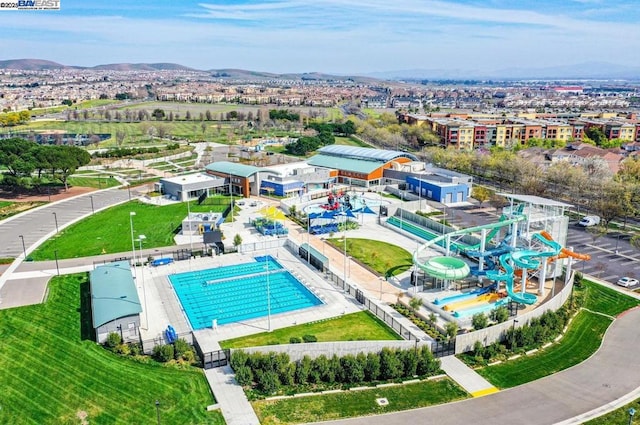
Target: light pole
{"type": "Point", "coordinates": [632, 413]}
{"type": "Point", "coordinates": [308, 238]}
{"type": "Point", "coordinates": [144, 290]}
{"type": "Point", "coordinates": [55, 253]}
{"type": "Point", "coordinates": [381, 279]}
{"type": "Point", "coordinates": [231, 194]}
{"type": "Point", "coordinates": [133, 245]}
{"type": "Point", "coordinates": [93, 211]}
{"type": "Point", "coordinates": [158, 411]}
{"type": "Point", "coordinates": [55, 218]}
{"type": "Point", "coordinates": [189, 218]}
{"type": "Point", "coordinates": [513, 333]}
{"type": "Point", "coordinates": [24, 249]}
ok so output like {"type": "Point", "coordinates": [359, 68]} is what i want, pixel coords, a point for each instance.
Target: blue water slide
{"type": "Point", "coordinates": [473, 294]}
{"type": "Point", "coordinates": [507, 278]}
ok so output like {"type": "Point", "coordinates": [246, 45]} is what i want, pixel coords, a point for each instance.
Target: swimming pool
{"type": "Point", "coordinates": [237, 293]}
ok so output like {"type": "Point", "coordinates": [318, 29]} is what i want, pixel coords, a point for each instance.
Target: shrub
{"type": "Point", "coordinates": [244, 376]}
{"type": "Point", "coordinates": [390, 365]}
{"type": "Point", "coordinates": [135, 349]}
{"type": "Point", "coordinates": [182, 349]}
{"type": "Point", "coordinates": [267, 381]}
{"type": "Point", "coordinates": [113, 340]}
{"type": "Point", "coordinates": [372, 368]}
{"type": "Point", "coordinates": [500, 314]}
{"type": "Point", "coordinates": [294, 340]}
{"type": "Point", "coordinates": [303, 370]}
{"type": "Point", "coordinates": [479, 321]}
{"type": "Point", "coordinates": [309, 338]}
{"type": "Point", "coordinates": [122, 349]}
{"type": "Point", "coordinates": [163, 353]}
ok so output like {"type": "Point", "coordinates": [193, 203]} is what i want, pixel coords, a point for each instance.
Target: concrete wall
{"type": "Point", "coordinates": [316, 349]}
{"type": "Point", "coordinates": [487, 336]}
{"type": "Point", "coordinates": [120, 326]}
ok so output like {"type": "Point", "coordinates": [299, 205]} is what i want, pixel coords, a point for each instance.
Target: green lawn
{"type": "Point", "coordinates": [581, 340]}
{"type": "Point", "coordinates": [109, 231]}
{"type": "Point", "coordinates": [349, 141]}
{"type": "Point", "coordinates": [50, 375]}
{"type": "Point", "coordinates": [385, 258]}
{"type": "Point", "coordinates": [350, 327]}
{"type": "Point", "coordinates": [357, 403]}
{"type": "Point", "coordinates": [618, 416]}
{"type": "Point", "coordinates": [606, 300]}
{"type": "Point", "coordinates": [96, 182]}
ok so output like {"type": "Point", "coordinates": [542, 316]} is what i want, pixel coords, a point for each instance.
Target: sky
{"type": "Point", "coordinates": [333, 36]}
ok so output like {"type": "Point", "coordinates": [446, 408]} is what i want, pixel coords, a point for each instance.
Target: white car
{"type": "Point", "coordinates": [627, 281]}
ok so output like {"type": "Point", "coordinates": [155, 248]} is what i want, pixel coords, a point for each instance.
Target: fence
{"type": "Point", "coordinates": [149, 344]}
{"type": "Point", "coordinates": [262, 245]}
{"type": "Point", "coordinates": [497, 332]}
{"type": "Point", "coordinates": [176, 255]}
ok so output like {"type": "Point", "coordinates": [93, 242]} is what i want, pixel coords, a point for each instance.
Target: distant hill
{"type": "Point", "coordinates": [142, 67]}
{"type": "Point", "coordinates": [30, 64]}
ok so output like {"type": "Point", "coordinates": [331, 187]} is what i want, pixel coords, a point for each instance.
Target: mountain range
{"type": "Point", "coordinates": [582, 71]}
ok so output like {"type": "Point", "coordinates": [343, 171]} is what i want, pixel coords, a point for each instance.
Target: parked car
{"type": "Point", "coordinates": [627, 281]}
{"type": "Point", "coordinates": [589, 220]}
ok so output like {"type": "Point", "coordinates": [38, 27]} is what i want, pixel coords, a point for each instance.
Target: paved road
{"type": "Point", "coordinates": [42, 221]}
{"type": "Point", "coordinates": [608, 375]}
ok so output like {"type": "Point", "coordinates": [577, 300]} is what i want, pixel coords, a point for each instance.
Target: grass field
{"type": "Point", "coordinates": [581, 340]}
{"type": "Point", "coordinates": [96, 182]}
{"type": "Point", "coordinates": [7, 208]}
{"type": "Point", "coordinates": [109, 231]}
{"type": "Point", "coordinates": [605, 300]}
{"type": "Point", "coordinates": [49, 375]}
{"type": "Point", "coordinates": [351, 327]}
{"type": "Point", "coordinates": [348, 141]}
{"type": "Point", "coordinates": [385, 258]}
{"type": "Point", "coordinates": [357, 403]}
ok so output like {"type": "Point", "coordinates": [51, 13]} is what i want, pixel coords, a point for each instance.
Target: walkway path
{"type": "Point", "coordinates": [233, 402]}
{"type": "Point", "coordinates": [466, 377]}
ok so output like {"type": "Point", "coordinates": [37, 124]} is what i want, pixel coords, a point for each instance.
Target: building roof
{"type": "Point", "coordinates": [113, 293]}
{"type": "Point", "coordinates": [369, 154]}
{"type": "Point", "coordinates": [190, 178]}
{"type": "Point", "coordinates": [536, 200]}
{"type": "Point", "coordinates": [347, 164]}
{"type": "Point", "coordinates": [235, 169]}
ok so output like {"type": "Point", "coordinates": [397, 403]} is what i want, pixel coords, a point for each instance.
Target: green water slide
{"type": "Point", "coordinates": [450, 267]}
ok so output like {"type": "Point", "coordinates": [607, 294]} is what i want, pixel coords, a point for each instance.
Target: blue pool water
{"type": "Point", "coordinates": [239, 292]}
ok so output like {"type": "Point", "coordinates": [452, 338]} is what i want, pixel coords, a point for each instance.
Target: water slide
{"type": "Point", "coordinates": [507, 278]}
{"type": "Point", "coordinates": [465, 296]}
{"type": "Point", "coordinates": [481, 309]}
{"type": "Point", "coordinates": [564, 252]}
{"type": "Point", "coordinates": [450, 268]}
{"type": "Point", "coordinates": [472, 302]}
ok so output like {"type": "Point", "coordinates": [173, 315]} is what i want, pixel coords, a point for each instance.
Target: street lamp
{"type": "Point", "coordinates": [55, 218]}
{"type": "Point", "coordinates": [158, 411]}
{"type": "Point", "coordinates": [231, 194]}
{"type": "Point", "coordinates": [24, 249]}
{"type": "Point", "coordinates": [92, 210]}
{"type": "Point", "coordinates": [133, 245]}
{"type": "Point", "coordinates": [631, 412]}
{"type": "Point", "coordinates": [144, 290]}
{"type": "Point", "coordinates": [513, 332]}
{"type": "Point", "coordinates": [381, 279]}
{"type": "Point", "coordinates": [55, 253]}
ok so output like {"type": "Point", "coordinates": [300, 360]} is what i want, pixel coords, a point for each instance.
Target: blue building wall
{"type": "Point", "coordinates": [440, 192]}
{"type": "Point", "coordinates": [279, 188]}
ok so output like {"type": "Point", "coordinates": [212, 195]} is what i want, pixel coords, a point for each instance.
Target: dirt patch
{"type": "Point", "coordinates": [82, 415]}
{"type": "Point", "coordinates": [56, 195]}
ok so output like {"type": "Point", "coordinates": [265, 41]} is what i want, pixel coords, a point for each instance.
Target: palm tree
{"type": "Point", "coordinates": [415, 303]}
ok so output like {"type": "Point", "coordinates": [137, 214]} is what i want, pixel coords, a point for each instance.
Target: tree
{"type": "Point", "coordinates": [479, 321]}
{"type": "Point", "coordinates": [237, 240]}
{"type": "Point", "coordinates": [120, 135]}
{"type": "Point", "coordinates": [481, 194]}
{"type": "Point", "coordinates": [500, 314]}
{"type": "Point", "coordinates": [158, 114]}
{"type": "Point", "coordinates": [451, 328]}
{"type": "Point", "coordinates": [415, 303]}
{"type": "Point", "coordinates": [66, 160]}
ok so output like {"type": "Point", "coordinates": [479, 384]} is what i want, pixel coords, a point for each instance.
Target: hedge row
{"type": "Point", "coordinates": [269, 373]}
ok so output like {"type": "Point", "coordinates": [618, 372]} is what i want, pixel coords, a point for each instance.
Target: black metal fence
{"type": "Point", "coordinates": [442, 349]}
{"type": "Point", "coordinates": [149, 344]}
{"type": "Point", "coordinates": [216, 359]}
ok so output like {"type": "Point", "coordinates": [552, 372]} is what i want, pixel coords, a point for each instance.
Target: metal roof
{"type": "Point", "coordinates": [236, 169]}
{"type": "Point", "coordinates": [365, 153]}
{"type": "Point", "coordinates": [113, 293]}
{"type": "Point", "coordinates": [346, 164]}
{"type": "Point", "coordinates": [536, 200]}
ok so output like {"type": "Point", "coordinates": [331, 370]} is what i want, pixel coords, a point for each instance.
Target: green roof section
{"type": "Point", "coordinates": [236, 169]}
{"type": "Point", "coordinates": [347, 164]}
{"type": "Point", "coordinates": [113, 293]}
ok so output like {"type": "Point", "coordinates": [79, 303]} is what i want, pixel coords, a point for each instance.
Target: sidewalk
{"type": "Point", "coordinates": [466, 377]}
{"type": "Point", "coordinates": [234, 405]}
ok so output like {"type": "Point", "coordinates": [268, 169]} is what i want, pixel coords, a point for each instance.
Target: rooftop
{"type": "Point", "coordinates": [235, 169]}
{"type": "Point", "coordinates": [113, 293]}
{"type": "Point", "coordinates": [190, 178]}
{"type": "Point", "coordinates": [369, 154]}
{"type": "Point", "coordinates": [536, 200]}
